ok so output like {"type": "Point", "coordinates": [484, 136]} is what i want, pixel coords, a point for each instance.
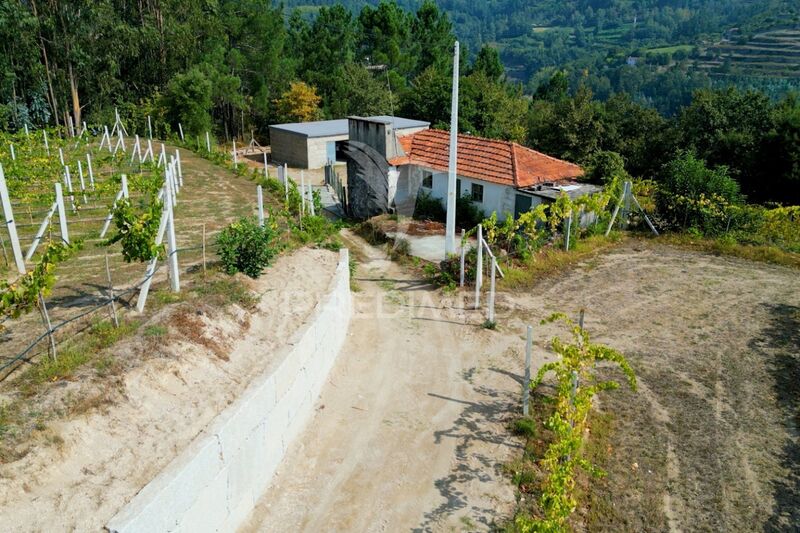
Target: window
{"type": "Point", "coordinates": [477, 193]}
{"type": "Point", "coordinates": [427, 180]}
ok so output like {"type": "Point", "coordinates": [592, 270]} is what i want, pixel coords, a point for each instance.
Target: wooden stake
{"type": "Point", "coordinates": [46, 319]}
{"type": "Point", "coordinates": [526, 381]}
{"type": "Point", "coordinates": [111, 295]}
{"type": "Point", "coordinates": [204, 248]}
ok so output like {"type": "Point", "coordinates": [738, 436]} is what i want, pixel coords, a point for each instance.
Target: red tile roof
{"type": "Point", "coordinates": [489, 160]}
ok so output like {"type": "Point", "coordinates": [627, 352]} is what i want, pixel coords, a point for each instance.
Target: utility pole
{"type": "Point", "coordinates": [450, 230]}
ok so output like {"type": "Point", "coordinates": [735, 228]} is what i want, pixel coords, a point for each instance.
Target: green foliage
{"type": "Point", "coordinates": [576, 385]}
{"type": "Point", "coordinates": [604, 166]}
{"type": "Point", "coordinates": [187, 100]}
{"type": "Point", "coordinates": [429, 208]}
{"type": "Point", "coordinates": [137, 230]}
{"type": "Point", "coordinates": [21, 296]}
{"type": "Point", "coordinates": [691, 195]}
{"type": "Point", "coordinates": [246, 247]}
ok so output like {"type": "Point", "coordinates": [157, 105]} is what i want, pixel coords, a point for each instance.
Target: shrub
{"type": "Point", "coordinates": [429, 208]}
{"type": "Point", "coordinates": [246, 247]}
{"type": "Point", "coordinates": [692, 195]}
{"type": "Point", "coordinates": [468, 215]}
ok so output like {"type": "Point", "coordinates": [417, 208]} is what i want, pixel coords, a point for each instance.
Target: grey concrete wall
{"type": "Point", "coordinates": [290, 148]}
{"type": "Point", "coordinates": [214, 484]}
{"type": "Point", "coordinates": [318, 150]}
{"type": "Point", "coordinates": [374, 133]}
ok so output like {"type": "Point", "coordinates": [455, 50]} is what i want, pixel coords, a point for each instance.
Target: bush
{"type": "Point", "coordinates": [246, 247]}
{"type": "Point", "coordinates": [691, 195]}
{"type": "Point", "coordinates": [429, 208]}
{"type": "Point", "coordinates": [468, 215]}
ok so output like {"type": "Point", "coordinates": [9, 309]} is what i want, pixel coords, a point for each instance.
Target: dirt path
{"type": "Point", "coordinates": [96, 462]}
{"type": "Point", "coordinates": [410, 432]}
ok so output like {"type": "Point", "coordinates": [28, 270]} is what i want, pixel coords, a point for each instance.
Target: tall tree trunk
{"type": "Point", "coordinates": [51, 94]}
{"type": "Point", "coordinates": [76, 102]}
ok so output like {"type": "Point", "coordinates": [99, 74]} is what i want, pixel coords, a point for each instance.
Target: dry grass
{"type": "Point", "coordinates": [759, 253]}
{"type": "Point", "coordinates": [551, 261]}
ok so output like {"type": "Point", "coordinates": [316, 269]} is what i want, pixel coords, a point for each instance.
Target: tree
{"type": "Point", "coordinates": [433, 33]}
{"type": "Point", "coordinates": [361, 93]}
{"type": "Point", "coordinates": [492, 108]}
{"type": "Point", "coordinates": [488, 62]}
{"type": "Point", "coordinates": [188, 101]}
{"type": "Point", "coordinates": [298, 104]}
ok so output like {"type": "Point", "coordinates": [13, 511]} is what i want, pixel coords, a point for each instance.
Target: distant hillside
{"type": "Point", "coordinates": [712, 41]}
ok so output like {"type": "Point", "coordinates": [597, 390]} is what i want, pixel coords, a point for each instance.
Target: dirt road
{"type": "Point", "coordinates": [410, 432]}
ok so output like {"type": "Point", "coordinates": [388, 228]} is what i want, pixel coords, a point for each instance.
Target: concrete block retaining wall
{"type": "Point", "coordinates": [214, 484]}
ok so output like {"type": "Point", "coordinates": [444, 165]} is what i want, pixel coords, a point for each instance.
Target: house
{"type": "Point", "coordinates": [313, 144]}
{"type": "Point", "coordinates": [499, 176]}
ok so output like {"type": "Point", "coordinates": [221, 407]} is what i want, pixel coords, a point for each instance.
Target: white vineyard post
{"type": "Point", "coordinates": [266, 167]}
{"type": "Point", "coordinates": [479, 268]}
{"type": "Point", "coordinates": [151, 267]}
{"type": "Point", "coordinates": [208, 143]}
{"type": "Point", "coordinates": [491, 289]}
{"type": "Point", "coordinates": [180, 128]}
{"type": "Point", "coordinates": [89, 168]}
{"type": "Point", "coordinates": [235, 160]}
{"type": "Point", "coordinates": [311, 200]}
{"type": "Point", "coordinates": [68, 183]}
{"type": "Point", "coordinates": [83, 183]}
{"type": "Point", "coordinates": [149, 151]}
{"type": "Point", "coordinates": [172, 248]}
{"type": "Point", "coordinates": [162, 157]}
{"type": "Point", "coordinates": [286, 181]}
{"type": "Point", "coordinates": [137, 149]}
{"type": "Point", "coordinates": [180, 167]}
{"type": "Point", "coordinates": [13, 155]}
{"type": "Point", "coordinates": [567, 230]}
{"type": "Point", "coordinates": [463, 257]}
{"type": "Point", "coordinates": [260, 199]}
{"type": "Point", "coordinates": [27, 132]}
{"type": "Point", "coordinates": [10, 224]}
{"type": "Point", "coordinates": [302, 194]}
{"type": "Point", "coordinates": [526, 381]}
{"type": "Point", "coordinates": [61, 156]}
{"type": "Point", "coordinates": [46, 144]}
{"type": "Point", "coordinates": [149, 127]}
{"type": "Point", "coordinates": [122, 193]}
{"type": "Point", "coordinates": [42, 229]}
{"type": "Point", "coordinates": [71, 126]}
{"type": "Point", "coordinates": [62, 214]}
{"type": "Point", "coordinates": [85, 129]}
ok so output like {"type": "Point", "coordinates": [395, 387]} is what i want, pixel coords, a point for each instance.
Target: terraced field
{"type": "Point", "coordinates": [774, 54]}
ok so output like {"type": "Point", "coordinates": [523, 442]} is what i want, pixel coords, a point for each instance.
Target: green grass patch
{"type": "Point", "coordinates": [671, 49]}
{"type": "Point", "coordinates": [757, 253]}
{"type": "Point", "coordinates": [155, 330]}
{"type": "Point", "coordinates": [551, 260]}
{"type": "Point", "coordinates": [223, 291]}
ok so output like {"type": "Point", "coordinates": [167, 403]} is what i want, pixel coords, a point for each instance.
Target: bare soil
{"type": "Point", "coordinates": [412, 428]}
{"type": "Point", "coordinates": [710, 441]}
{"type": "Point", "coordinates": [92, 464]}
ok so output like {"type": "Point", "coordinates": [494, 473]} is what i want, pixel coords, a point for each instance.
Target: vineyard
{"type": "Point", "coordinates": [53, 204]}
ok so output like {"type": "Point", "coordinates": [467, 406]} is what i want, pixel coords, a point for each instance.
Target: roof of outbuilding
{"type": "Point", "coordinates": [339, 127]}
{"type": "Point", "coordinates": [501, 162]}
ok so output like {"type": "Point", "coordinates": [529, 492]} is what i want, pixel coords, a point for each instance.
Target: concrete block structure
{"type": "Point", "coordinates": [312, 145]}
{"type": "Point", "coordinates": [216, 481]}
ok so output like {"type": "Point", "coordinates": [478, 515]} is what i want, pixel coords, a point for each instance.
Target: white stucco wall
{"type": "Point", "coordinates": [496, 198]}
{"type": "Point", "coordinates": [216, 481]}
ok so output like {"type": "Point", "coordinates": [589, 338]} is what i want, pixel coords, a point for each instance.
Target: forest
{"type": "Point", "coordinates": [236, 66]}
